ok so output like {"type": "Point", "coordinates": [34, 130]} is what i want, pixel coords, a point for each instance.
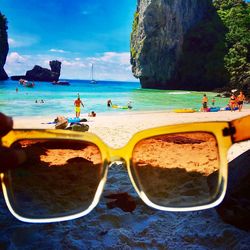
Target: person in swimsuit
{"type": "Point", "coordinates": [232, 102]}
{"type": "Point", "coordinates": [204, 103]}
{"type": "Point", "coordinates": [240, 100]}
{"type": "Point", "coordinates": [92, 114]}
{"type": "Point", "coordinates": [78, 104]}
{"type": "Point", "coordinates": [213, 101]}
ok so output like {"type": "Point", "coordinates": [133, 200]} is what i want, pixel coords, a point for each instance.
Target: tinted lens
{"type": "Point", "coordinates": [59, 178]}
{"type": "Point", "coordinates": [177, 170]}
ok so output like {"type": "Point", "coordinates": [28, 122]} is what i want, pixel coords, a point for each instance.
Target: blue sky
{"type": "Point", "coordinates": [77, 33]}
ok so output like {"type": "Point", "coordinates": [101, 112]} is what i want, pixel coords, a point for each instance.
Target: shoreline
{"type": "Point", "coordinates": [21, 121]}
{"type": "Point", "coordinates": [116, 130]}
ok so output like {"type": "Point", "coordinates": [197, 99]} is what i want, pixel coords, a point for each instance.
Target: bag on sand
{"type": "Point", "coordinates": [79, 127]}
{"type": "Point", "coordinates": [61, 124]}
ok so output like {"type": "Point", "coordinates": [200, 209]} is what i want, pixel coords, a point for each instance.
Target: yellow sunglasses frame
{"type": "Point", "coordinates": [226, 133]}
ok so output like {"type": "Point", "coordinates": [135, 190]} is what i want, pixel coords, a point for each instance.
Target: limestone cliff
{"type": "Point", "coordinates": [39, 73]}
{"type": "Point", "coordinates": [4, 46]}
{"type": "Point", "coordinates": [158, 41]}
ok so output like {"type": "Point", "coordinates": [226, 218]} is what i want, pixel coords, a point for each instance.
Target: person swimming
{"type": "Point", "coordinates": [109, 103]}
{"type": "Point", "coordinates": [92, 114]}
{"type": "Point", "coordinates": [129, 104]}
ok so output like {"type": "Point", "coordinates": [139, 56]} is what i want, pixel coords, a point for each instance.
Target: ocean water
{"type": "Point", "coordinates": [59, 100]}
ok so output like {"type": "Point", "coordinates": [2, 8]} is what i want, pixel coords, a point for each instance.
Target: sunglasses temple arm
{"type": "Point", "coordinates": [240, 129]}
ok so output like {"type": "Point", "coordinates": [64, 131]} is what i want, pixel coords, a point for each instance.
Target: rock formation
{"type": "Point", "coordinates": [4, 46]}
{"type": "Point", "coordinates": [42, 74]}
{"type": "Point", "coordinates": [160, 37]}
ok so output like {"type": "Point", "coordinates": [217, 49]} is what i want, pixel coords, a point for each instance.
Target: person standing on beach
{"type": "Point", "coordinates": [232, 102]}
{"type": "Point", "coordinates": [77, 105]}
{"type": "Point", "coordinates": [213, 101]}
{"type": "Point", "coordinates": [240, 99]}
{"type": "Point", "coordinates": [204, 103]}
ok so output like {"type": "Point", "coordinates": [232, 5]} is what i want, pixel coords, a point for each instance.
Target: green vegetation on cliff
{"type": "Point", "coordinates": [4, 47]}
{"type": "Point", "coordinates": [134, 30]}
{"type": "Point", "coordinates": [216, 52]}
{"type": "Point", "coordinates": [235, 15]}
{"type": "Point", "coordinates": [3, 34]}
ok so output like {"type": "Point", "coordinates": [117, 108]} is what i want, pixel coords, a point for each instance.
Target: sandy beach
{"type": "Point", "coordinates": [144, 228]}
{"type": "Point", "coordinates": [116, 129]}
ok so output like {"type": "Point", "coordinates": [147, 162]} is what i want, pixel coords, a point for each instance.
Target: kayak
{"type": "Point", "coordinates": [184, 110]}
{"type": "Point", "coordinates": [214, 109]}
{"type": "Point", "coordinates": [228, 108]}
{"type": "Point", "coordinates": [119, 107]}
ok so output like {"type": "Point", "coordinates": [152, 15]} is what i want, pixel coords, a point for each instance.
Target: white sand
{"type": "Point", "coordinates": [145, 228]}
{"type": "Point", "coordinates": [117, 129]}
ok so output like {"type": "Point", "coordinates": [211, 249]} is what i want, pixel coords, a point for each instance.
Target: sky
{"type": "Point", "coordinates": [77, 33]}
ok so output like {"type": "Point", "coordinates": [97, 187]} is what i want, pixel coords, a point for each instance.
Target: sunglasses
{"type": "Point", "coordinates": [173, 168]}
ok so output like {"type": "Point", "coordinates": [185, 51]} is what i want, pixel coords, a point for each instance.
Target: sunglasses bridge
{"type": "Point", "coordinates": [116, 157]}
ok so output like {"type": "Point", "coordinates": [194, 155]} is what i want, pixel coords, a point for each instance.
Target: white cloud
{"type": "Point", "coordinates": [14, 57]}
{"type": "Point", "coordinates": [15, 63]}
{"type": "Point", "coordinates": [11, 41]}
{"type": "Point", "coordinates": [114, 57]}
{"type": "Point", "coordinates": [58, 50]}
{"type": "Point", "coordinates": [107, 66]}
{"type": "Point", "coordinates": [74, 63]}
{"type": "Point", "coordinates": [22, 41]}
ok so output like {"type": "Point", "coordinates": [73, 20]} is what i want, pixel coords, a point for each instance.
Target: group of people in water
{"type": "Point", "coordinates": [235, 102]}
{"type": "Point", "coordinates": [41, 101]}
{"type": "Point", "coordinates": [109, 104]}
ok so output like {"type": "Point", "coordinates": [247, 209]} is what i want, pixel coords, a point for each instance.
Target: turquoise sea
{"type": "Point", "coordinates": [59, 100]}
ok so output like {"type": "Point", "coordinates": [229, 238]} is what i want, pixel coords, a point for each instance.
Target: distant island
{"type": "Point", "coordinates": [41, 74]}
{"type": "Point", "coordinates": [38, 73]}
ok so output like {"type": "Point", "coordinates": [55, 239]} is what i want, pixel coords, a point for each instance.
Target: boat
{"type": "Point", "coordinates": [214, 109]}
{"type": "Point", "coordinates": [92, 81]}
{"type": "Point", "coordinates": [22, 81]}
{"type": "Point", "coordinates": [27, 84]}
{"type": "Point", "coordinates": [65, 83]}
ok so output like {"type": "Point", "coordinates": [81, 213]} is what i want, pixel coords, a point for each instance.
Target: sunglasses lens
{"type": "Point", "coordinates": [59, 178]}
{"type": "Point", "coordinates": [177, 170]}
